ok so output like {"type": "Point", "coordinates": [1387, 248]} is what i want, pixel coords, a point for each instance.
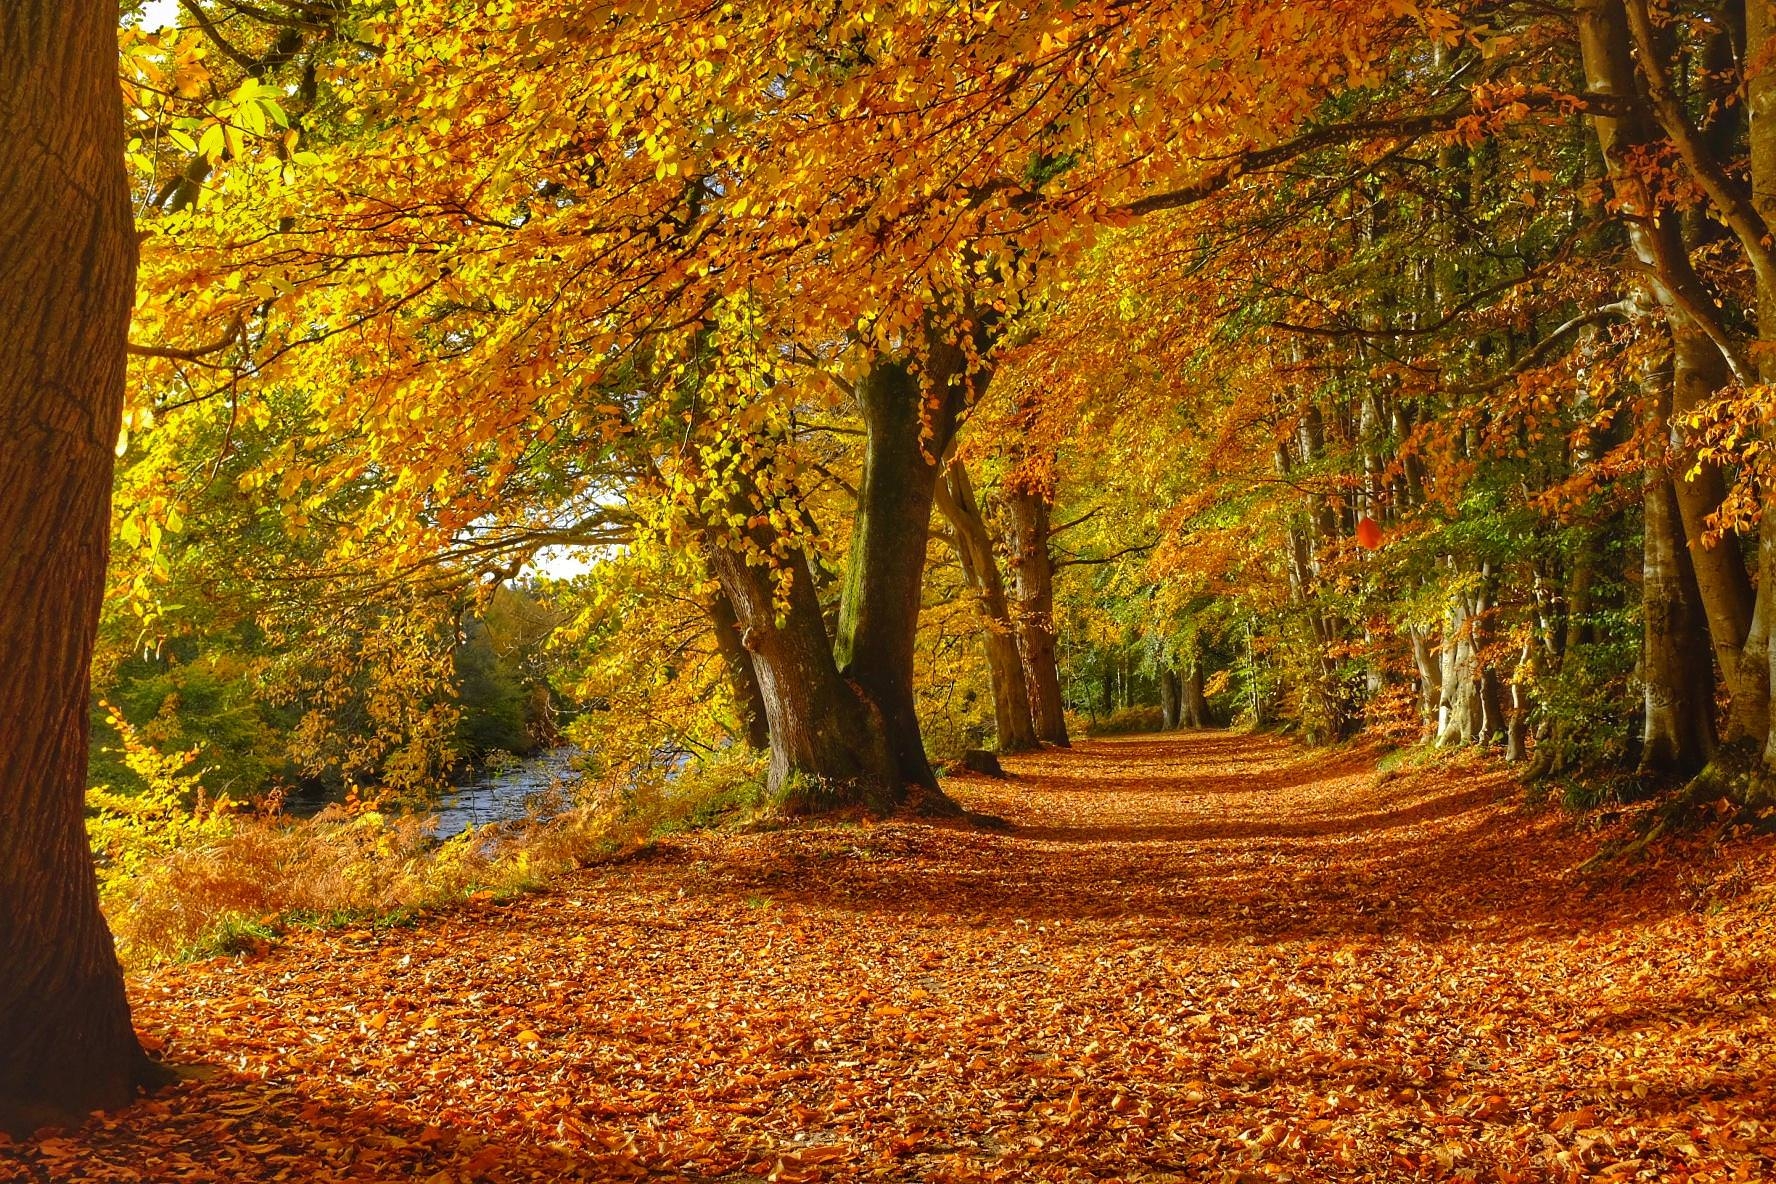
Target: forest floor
{"type": "Point", "coordinates": [1191, 957]}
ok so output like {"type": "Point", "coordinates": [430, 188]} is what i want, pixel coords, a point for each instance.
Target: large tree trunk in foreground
{"type": "Point", "coordinates": [1754, 719]}
{"type": "Point", "coordinates": [1698, 371]}
{"type": "Point", "coordinates": [1604, 43]}
{"type": "Point", "coordinates": [908, 420]}
{"type": "Point", "coordinates": [1677, 676]}
{"type": "Point", "coordinates": [828, 747]}
{"type": "Point", "coordinates": [1034, 567]}
{"type": "Point", "coordinates": [980, 567]}
{"type": "Point", "coordinates": [67, 275]}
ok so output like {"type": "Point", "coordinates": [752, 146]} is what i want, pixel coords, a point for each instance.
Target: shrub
{"type": "Point", "coordinates": [180, 877]}
{"type": "Point", "coordinates": [1124, 721]}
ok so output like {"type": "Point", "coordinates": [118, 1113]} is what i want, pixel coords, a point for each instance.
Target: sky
{"type": "Point", "coordinates": [157, 13]}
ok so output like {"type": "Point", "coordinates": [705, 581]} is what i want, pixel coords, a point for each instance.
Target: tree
{"type": "Point", "coordinates": [1014, 724]}
{"type": "Point", "coordinates": [67, 274]}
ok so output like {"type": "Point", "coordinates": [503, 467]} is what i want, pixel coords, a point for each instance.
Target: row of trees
{"type": "Point", "coordinates": [876, 352]}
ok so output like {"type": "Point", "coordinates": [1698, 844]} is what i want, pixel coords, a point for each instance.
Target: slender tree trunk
{"type": "Point", "coordinates": [67, 276]}
{"type": "Point", "coordinates": [980, 567]}
{"type": "Point", "coordinates": [743, 682]}
{"type": "Point", "coordinates": [1034, 568]}
{"type": "Point", "coordinates": [1517, 713]}
{"type": "Point", "coordinates": [908, 421]}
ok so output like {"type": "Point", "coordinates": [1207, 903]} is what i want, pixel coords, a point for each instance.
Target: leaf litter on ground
{"type": "Point", "coordinates": [1190, 957]}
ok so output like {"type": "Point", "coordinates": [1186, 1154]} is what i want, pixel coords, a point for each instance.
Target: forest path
{"type": "Point", "coordinates": [1191, 957]}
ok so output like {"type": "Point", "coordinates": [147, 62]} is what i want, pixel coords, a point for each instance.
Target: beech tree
{"type": "Point", "coordinates": [67, 273]}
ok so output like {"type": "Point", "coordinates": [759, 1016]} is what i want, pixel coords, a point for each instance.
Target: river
{"type": "Point", "coordinates": [500, 795]}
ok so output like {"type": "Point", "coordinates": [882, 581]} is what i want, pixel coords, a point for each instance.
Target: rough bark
{"type": "Point", "coordinates": [980, 567]}
{"type": "Point", "coordinates": [1034, 571]}
{"type": "Point", "coordinates": [67, 273]}
{"type": "Point", "coordinates": [908, 420]}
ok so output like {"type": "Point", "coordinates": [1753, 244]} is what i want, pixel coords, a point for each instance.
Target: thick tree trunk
{"type": "Point", "coordinates": [908, 420]}
{"type": "Point", "coordinates": [1610, 73]}
{"type": "Point", "coordinates": [1196, 703]}
{"type": "Point", "coordinates": [828, 746]}
{"type": "Point", "coordinates": [1677, 733]}
{"type": "Point", "coordinates": [1754, 718]}
{"type": "Point", "coordinates": [1430, 677]}
{"type": "Point", "coordinates": [1171, 698]}
{"type": "Point", "coordinates": [1698, 371]}
{"type": "Point", "coordinates": [1034, 568]}
{"type": "Point", "coordinates": [980, 567]}
{"type": "Point", "coordinates": [67, 275]}
{"type": "Point", "coordinates": [1459, 708]}
{"type": "Point", "coordinates": [743, 682]}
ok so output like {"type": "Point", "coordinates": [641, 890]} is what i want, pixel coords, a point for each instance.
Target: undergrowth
{"type": "Point", "coordinates": [1121, 722]}
{"type": "Point", "coordinates": [184, 877]}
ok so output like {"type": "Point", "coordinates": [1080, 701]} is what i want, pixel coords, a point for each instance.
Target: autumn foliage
{"type": "Point", "coordinates": [786, 407]}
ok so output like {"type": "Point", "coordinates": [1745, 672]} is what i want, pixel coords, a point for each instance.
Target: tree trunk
{"type": "Point", "coordinates": [67, 276]}
{"type": "Point", "coordinates": [884, 573]}
{"type": "Point", "coordinates": [1034, 568]}
{"type": "Point", "coordinates": [743, 682]}
{"type": "Point", "coordinates": [1171, 696]}
{"type": "Point", "coordinates": [1517, 714]}
{"type": "Point", "coordinates": [1459, 708]}
{"type": "Point", "coordinates": [980, 567]}
{"type": "Point", "coordinates": [1754, 718]}
{"type": "Point", "coordinates": [1677, 733]}
{"type": "Point", "coordinates": [1430, 677]}
{"type": "Point", "coordinates": [1196, 703]}
{"type": "Point", "coordinates": [1610, 72]}
{"type": "Point", "coordinates": [1697, 372]}
{"type": "Point", "coordinates": [828, 746]}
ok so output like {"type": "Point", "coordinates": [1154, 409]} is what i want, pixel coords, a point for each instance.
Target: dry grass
{"type": "Point", "coordinates": [243, 882]}
{"type": "Point", "coordinates": [231, 892]}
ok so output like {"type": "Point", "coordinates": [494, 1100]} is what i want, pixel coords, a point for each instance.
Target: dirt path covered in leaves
{"type": "Point", "coordinates": [1203, 957]}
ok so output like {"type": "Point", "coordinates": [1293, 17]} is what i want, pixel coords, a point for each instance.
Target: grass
{"type": "Point", "coordinates": [234, 889]}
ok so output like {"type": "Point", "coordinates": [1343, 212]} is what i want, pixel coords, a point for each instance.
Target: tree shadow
{"type": "Point", "coordinates": [231, 1127]}
{"type": "Point", "coordinates": [1208, 858]}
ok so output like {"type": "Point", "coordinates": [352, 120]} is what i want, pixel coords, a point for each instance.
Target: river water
{"type": "Point", "coordinates": [501, 795]}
